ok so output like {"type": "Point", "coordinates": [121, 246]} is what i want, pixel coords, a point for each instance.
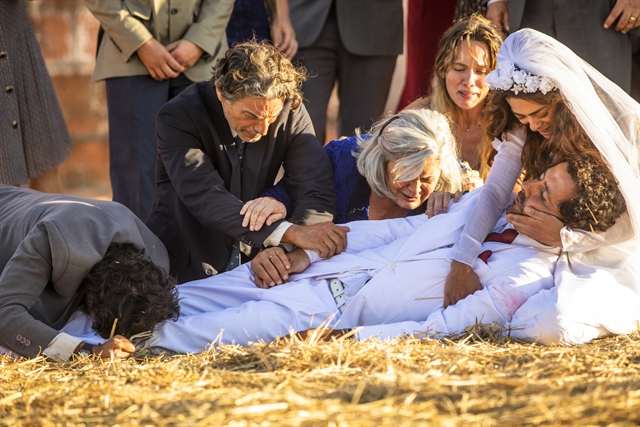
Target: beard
{"type": "Point", "coordinates": [517, 207]}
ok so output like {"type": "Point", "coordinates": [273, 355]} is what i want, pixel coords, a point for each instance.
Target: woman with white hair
{"type": "Point", "coordinates": [569, 108]}
{"type": "Point", "coordinates": [389, 173]}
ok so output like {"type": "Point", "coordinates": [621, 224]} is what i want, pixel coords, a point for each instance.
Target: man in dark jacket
{"type": "Point", "coordinates": [221, 143]}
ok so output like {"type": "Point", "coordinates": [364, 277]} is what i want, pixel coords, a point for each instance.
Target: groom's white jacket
{"type": "Point", "coordinates": [405, 297]}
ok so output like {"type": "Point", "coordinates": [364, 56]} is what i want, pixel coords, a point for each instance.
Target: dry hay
{"type": "Point", "coordinates": [476, 378]}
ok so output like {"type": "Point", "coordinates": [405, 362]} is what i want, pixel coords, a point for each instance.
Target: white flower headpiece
{"type": "Point", "coordinates": [510, 77]}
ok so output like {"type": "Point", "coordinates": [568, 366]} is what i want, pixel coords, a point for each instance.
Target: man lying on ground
{"type": "Point", "coordinates": [58, 252]}
{"type": "Point", "coordinates": [390, 280]}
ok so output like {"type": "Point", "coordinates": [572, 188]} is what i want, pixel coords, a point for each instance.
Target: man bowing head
{"type": "Point", "coordinates": [221, 143]}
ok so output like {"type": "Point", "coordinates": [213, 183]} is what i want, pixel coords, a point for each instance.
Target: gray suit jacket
{"type": "Point", "coordinates": [49, 244]}
{"type": "Point", "coordinates": [129, 23]}
{"type": "Point", "coordinates": [367, 27]}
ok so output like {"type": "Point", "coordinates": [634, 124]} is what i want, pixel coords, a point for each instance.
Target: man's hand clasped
{"type": "Point", "coordinates": [167, 62]}
{"type": "Point", "coordinates": [325, 237]}
{"type": "Point", "coordinates": [273, 266]}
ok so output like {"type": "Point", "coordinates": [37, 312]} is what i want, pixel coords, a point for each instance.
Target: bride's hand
{"type": "Point", "coordinates": [438, 202]}
{"type": "Point", "coordinates": [540, 226]}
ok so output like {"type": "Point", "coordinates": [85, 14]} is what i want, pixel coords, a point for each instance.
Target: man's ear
{"type": "Point", "coordinates": [219, 95]}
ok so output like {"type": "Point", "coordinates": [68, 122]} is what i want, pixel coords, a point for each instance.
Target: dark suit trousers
{"type": "Point", "coordinates": [133, 104]}
{"type": "Point", "coordinates": [363, 82]}
{"type": "Point", "coordinates": [578, 25]}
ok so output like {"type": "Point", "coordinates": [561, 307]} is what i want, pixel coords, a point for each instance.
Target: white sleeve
{"type": "Point", "coordinates": [62, 347]}
{"type": "Point", "coordinates": [372, 234]}
{"type": "Point", "coordinates": [493, 199]}
{"type": "Point", "coordinates": [496, 302]}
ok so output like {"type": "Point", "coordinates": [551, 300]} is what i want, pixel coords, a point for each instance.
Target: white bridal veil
{"type": "Point", "coordinates": [609, 116]}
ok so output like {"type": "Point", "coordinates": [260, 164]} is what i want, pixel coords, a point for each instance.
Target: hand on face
{"type": "Point", "coordinates": [536, 209]}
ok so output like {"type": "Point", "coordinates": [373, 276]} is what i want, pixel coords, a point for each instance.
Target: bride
{"type": "Point", "coordinates": [569, 108]}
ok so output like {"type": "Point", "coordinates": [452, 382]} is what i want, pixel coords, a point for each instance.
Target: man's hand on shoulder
{"type": "Point", "coordinates": [158, 60]}
{"type": "Point", "coordinates": [325, 237]}
{"type": "Point", "coordinates": [273, 266]}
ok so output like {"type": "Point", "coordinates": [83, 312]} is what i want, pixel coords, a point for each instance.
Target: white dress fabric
{"type": "Point", "coordinates": [604, 263]}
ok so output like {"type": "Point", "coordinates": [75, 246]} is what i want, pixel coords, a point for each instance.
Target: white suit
{"type": "Point", "coordinates": [393, 272]}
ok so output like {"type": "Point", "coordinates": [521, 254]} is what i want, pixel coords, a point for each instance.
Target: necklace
{"type": "Point", "coordinates": [468, 130]}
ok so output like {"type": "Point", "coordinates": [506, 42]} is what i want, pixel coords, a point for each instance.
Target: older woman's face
{"type": "Point", "coordinates": [539, 117]}
{"type": "Point", "coordinates": [465, 77]}
{"type": "Point", "coordinates": [411, 194]}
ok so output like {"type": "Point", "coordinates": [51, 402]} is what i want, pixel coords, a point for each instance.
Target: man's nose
{"type": "Point", "coordinates": [529, 187]}
{"type": "Point", "coordinates": [262, 127]}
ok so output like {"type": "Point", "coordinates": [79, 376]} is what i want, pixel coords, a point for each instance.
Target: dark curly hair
{"type": "Point", "coordinates": [258, 70]}
{"type": "Point", "coordinates": [126, 284]}
{"type": "Point", "coordinates": [598, 202]}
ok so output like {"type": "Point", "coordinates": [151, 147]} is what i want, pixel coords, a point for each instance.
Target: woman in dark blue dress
{"type": "Point", "coordinates": [391, 172]}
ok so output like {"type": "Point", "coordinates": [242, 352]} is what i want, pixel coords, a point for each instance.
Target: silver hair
{"type": "Point", "coordinates": [409, 138]}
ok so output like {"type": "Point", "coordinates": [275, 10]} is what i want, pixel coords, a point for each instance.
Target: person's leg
{"type": "Point", "coordinates": [133, 103]}
{"type": "Point", "coordinates": [267, 315]}
{"type": "Point", "coordinates": [363, 88]}
{"type": "Point", "coordinates": [320, 61]}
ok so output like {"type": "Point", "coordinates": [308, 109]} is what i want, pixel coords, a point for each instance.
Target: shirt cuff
{"type": "Point", "coordinates": [61, 348]}
{"type": "Point", "coordinates": [275, 237]}
{"type": "Point", "coordinates": [494, 1]}
{"type": "Point", "coordinates": [314, 256]}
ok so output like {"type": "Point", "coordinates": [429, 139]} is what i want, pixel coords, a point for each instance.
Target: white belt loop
{"type": "Point", "coordinates": [337, 290]}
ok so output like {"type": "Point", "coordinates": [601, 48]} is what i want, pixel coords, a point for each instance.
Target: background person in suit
{"type": "Point", "coordinates": [221, 143]}
{"type": "Point", "coordinates": [151, 50]}
{"type": "Point", "coordinates": [59, 252]}
{"type": "Point", "coordinates": [354, 43]}
{"type": "Point", "coordinates": [34, 139]}
{"type": "Point", "coordinates": [585, 26]}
